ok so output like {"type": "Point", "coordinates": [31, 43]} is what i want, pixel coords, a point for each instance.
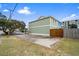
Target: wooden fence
{"type": "Point", "coordinates": [71, 33]}
{"type": "Point", "coordinates": [56, 32]}
{"type": "Point", "coordinates": [66, 33]}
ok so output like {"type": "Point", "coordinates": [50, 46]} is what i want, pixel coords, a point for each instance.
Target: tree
{"type": "Point", "coordinates": [9, 26]}
{"type": "Point", "coordinates": [2, 19]}
{"type": "Point", "coordinates": [2, 16]}
{"type": "Point", "coordinates": [22, 28]}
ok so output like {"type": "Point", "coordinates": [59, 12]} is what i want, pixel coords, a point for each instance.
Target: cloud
{"type": "Point", "coordinates": [5, 10]}
{"type": "Point", "coordinates": [78, 7]}
{"type": "Point", "coordinates": [71, 17]}
{"type": "Point", "coordinates": [25, 10]}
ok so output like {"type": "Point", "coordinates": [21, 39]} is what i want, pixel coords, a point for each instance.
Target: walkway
{"type": "Point", "coordinates": [47, 42]}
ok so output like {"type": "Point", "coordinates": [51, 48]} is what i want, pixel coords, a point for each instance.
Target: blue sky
{"type": "Point", "coordinates": [31, 11]}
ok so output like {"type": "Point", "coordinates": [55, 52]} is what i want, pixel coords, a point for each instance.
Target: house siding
{"type": "Point", "coordinates": [54, 24]}
{"type": "Point", "coordinates": [67, 23]}
{"type": "Point", "coordinates": [43, 26]}
{"type": "Point", "coordinates": [40, 23]}
{"type": "Point", "coordinates": [40, 30]}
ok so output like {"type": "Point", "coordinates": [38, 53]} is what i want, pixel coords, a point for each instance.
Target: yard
{"type": "Point", "coordinates": [12, 46]}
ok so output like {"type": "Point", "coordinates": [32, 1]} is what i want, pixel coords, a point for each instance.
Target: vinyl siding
{"type": "Point", "coordinates": [43, 26]}
{"type": "Point", "coordinates": [40, 30]}
{"type": "Point", "coordinates": [40, 23]}
{"type": "Point", "coordinates": [54, 24]}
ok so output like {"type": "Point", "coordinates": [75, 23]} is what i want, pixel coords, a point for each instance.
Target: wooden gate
{"type": "Point", "coordinates": [56, 32]}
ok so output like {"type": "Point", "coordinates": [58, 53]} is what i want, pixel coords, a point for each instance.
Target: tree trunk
{"type": "Point", "coordinates": [7, 32]}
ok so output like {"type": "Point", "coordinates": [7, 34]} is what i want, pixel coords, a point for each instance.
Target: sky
{"type": "Point", "coordinates": [32, 11]}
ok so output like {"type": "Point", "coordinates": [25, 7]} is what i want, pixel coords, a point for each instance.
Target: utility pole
{"type": "Point", "coordinates": [11, 11]}
{"type": "Point", "coordinates": [10, 16]}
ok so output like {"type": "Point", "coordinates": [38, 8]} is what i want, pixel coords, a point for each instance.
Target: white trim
{"type": "Point", "coordinates": [50, 23]}
{"type": "Point", "coordinates": [40, 26]}
{"type": "Point", "coordinates": [40, 34]}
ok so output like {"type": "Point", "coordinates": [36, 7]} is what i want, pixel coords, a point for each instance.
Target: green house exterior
{"type": "Point", "coordinates": [43, 25]}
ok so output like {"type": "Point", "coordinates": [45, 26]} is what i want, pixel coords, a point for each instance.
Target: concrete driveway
{"type": "Point", "coordinates": [46, 42]}
{"type": "Point", "coordinates": [43, 41]}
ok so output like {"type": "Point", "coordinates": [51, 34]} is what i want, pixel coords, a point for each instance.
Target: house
{"type": "Point", "coordinates": [43, 24]}
{"type": "Point", "coordinates": [66, 24]}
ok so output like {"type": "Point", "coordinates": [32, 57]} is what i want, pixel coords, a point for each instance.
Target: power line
{"type": "Point", "coordinates": [11, 11]}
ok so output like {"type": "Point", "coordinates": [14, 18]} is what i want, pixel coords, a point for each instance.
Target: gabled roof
{"type": "Point", "coordinates": [44, 17]}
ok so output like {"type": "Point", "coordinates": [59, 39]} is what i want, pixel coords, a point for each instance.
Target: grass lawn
{"type": "Point", "coordinates": [14, 46]}
{"type": "Point", "coordinates": [10, 45]}
{"type": "Point", "coordinates": [68, 47]}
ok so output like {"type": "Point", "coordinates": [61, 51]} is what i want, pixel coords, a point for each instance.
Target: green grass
{"type": "Point", "coordinates": [12, 46]}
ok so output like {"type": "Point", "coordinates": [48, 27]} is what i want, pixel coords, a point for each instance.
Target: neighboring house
{"type": "Point", "coordinates": [43, 25]}
{"type": "Point", "coordinates": [66, 24]}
